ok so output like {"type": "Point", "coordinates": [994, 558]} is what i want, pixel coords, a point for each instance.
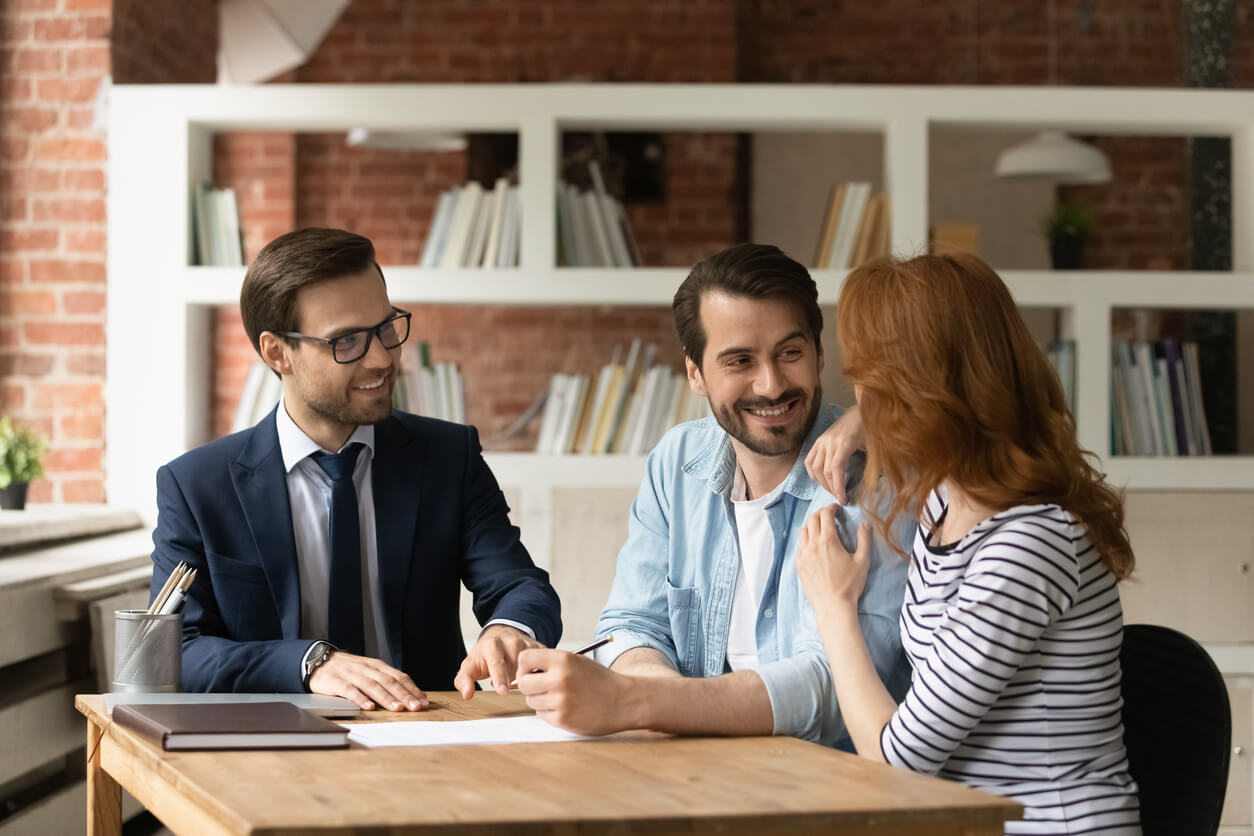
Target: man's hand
{"type": "Point", "coordinates": [495, 655]}
{"type": "Point", "coordinates": [578, 694]}
{"type": "Point", "coordinates": [830, 454]}
{"type": "Point", "coordinates": [367, 682]}
{"type": "Point", "coordinates": [831, 577]}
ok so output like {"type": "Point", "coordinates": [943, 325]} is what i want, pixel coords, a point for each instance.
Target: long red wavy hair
{"type": "Point", "coordinates": [953, 388]}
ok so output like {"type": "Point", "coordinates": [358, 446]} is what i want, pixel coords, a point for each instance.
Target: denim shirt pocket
{"type": "Point", "coordinates": [684, 605]}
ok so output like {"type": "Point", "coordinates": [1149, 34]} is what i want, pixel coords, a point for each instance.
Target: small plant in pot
{"type": "Point", "coordinates": [1067, 227]}
{"type": "Point", "coordinates": [21, 454]}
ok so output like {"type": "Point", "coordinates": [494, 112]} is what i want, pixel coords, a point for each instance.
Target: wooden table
{"type": "Point", "coordinates": [627, 784]}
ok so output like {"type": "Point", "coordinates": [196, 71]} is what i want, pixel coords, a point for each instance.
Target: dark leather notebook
{"type": "Point", "coordinates": [259, 725]}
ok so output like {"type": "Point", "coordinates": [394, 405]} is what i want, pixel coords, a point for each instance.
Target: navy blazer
{"type": "Point", "coordinates": [441, 521]}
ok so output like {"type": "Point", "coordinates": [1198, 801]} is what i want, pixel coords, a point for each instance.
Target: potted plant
{"type": "Point", "coordinates": [21, 451]}
{"type": "Point", "coordinates": [1067, 227]}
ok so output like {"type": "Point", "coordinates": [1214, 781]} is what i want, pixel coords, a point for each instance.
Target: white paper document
{"type": "Point", "coordinates": [458, 732]}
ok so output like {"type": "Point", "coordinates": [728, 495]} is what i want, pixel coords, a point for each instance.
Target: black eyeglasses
{"type": "Point", "coordinates": [351, 347]}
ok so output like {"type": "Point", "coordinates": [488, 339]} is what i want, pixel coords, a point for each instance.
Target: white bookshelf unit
{"type": "Point", "coordinates": [159, 356]}
{"type": "Point", "coordinates": [160, 140]}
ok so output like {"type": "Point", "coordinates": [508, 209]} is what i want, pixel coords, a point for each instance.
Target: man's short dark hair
{"type": "Point", "coordinates": [755, 271]}
{"type": "Point", "coordinates": [267, 301]}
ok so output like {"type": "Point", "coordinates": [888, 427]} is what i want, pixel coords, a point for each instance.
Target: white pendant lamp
{"type": "Point", "coordinates": [1052, 155]}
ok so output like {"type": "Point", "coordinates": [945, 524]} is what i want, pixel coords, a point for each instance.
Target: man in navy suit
{"type": "Point", "coordinates": [330, 540]}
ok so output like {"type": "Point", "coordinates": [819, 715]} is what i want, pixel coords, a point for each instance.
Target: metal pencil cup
{"type": "Point", "coordinates": [147, 652]}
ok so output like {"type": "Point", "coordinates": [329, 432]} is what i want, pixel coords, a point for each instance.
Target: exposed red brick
{"type": "Point", "coordinates": [31, 302]}
{"type": "Point", "coordinates": [71, 459]}
{"type": "Point", "coordinates": [70, 149]}
{"type": "Point", "coordinates": [25, 239]}
{"type": "Point", "coordinates": [84, 302]}
{"type": "Point", "coordinates": [85, 240]}
{"type": "Point", "coordinates": [25, 364]}
{"type": "Point", "coordinates": [82, 490]}
{"type": "Point", "coordinates": [86, 364]}
{"type": "Point", "coordinates": [58, 270]}
{"type": "Point", "coordinates": [64, 333]}
{"type": "Point", "coordinates": [41, 490]}
{"type": "Point", "coordinates": [68, 397]}
{"type": "Point", "coordinates": [70, 209]}
{"type": "Point", "coordinates": [81, 427]}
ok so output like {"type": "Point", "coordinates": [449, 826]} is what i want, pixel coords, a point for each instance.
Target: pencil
{"type": "Point", "coordinates": [588, 648]}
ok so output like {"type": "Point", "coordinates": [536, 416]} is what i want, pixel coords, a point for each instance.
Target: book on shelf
{"type": "Point", "coordinates": [222, 725]}
{"type": "Point", "coordinates": [474, 227]}
{"type": "Point", "coordinates": [1156, 400]}
{"type": "Point", "coordinates": [216, 232]}
{"type": "Point", "coordinates": [592, 226]}
{"type": "Point", "coordinates": [855, 228]}
{"type": "Point", "coordinates": [1061, 356]}
{"type": "Point", "coordinates": [632, 404]}
{"type": "Point", "coordinates": [434, 390]}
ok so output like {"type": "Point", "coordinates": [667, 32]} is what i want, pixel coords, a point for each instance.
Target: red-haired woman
{"type": "Point", "coordinates": [1011, 618]}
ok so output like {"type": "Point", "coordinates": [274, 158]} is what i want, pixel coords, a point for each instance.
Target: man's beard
{"type": "Point", "coordinates": [782, 440]}
{"type": "Point", "coordinates": [343, 411]}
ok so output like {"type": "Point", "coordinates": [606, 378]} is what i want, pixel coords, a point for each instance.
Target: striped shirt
{"type": "Point", "coordinates": [1014, 635]}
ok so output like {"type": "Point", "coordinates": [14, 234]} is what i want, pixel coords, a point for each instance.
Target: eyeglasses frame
{"type": "Point", "coordinates": [371, 333]}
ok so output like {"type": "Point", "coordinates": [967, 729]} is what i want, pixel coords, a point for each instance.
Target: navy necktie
{"type": "Point", "coordinates": [344, 610]}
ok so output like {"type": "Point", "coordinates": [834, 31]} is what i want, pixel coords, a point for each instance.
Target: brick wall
{"type": "Point", "coordinates": [52, 233]}
{"type": "Point", "coordinates": [52, 236]}
{"type": "Point", "coordinates": [1142, 215]}
{"type": "Point", "coordinates": [389, 196]}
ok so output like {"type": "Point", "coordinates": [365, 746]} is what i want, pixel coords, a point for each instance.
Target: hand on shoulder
{"type": "Point", "coordinates": [829, 457]}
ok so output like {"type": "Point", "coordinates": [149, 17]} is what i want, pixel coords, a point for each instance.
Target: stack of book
{"type": "Point", "coordinates": [1061, 354]}
{"type": "Point", "coordinates": [474, 227]}
{"type": "Point", "coordinates": [592, 228]}
{"type": "Point", "coordinates": [262, 391]}
{"type": "Point", "coordinates": [215, 221]}
{"type": "Point", "coordinates": [1156, 400]}
{"type": "Point", "coordinates": [437, 391]}
{"type": "Point", "coordinates": [855, 229]}
{"type": "Point", "coordinates": [626, 410]}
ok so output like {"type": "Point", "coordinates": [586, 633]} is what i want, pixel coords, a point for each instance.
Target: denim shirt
{"type": "Point", "coordinates": [677, 572]}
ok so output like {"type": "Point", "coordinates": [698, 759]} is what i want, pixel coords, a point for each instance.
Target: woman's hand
{"type": "Point", "coordinates": [831, 577]}
{"type": "Point", "coordinates": [830, 454]}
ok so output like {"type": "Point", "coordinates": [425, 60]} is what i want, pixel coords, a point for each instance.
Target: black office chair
{"type": "Point", "coordinates": [1177, 728]}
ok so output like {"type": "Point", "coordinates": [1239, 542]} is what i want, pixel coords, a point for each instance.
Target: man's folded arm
{"type": "Point", "coordinates": [505, 583]}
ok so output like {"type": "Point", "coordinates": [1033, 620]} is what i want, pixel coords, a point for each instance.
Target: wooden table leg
{"type": "Point", "coordinates": [104, 796]}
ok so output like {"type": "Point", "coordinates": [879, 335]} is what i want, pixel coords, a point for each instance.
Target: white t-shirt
{"type": "Point", "coordinates": [757, 554]}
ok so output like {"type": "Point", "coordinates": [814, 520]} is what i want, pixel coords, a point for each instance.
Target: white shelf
{"type": "Point", "coordinates": [1131, 289]}
{"type": "Point", "coordinates": [657, 285]}
{"type": "Point", "coordinates": [534, 469]}
{"type": "Point", "coordinates": [1181, 473]}
{"type": "Point", "coordinates": [161, 143]}
{"type": "Point", "coordinates": [513, 286]}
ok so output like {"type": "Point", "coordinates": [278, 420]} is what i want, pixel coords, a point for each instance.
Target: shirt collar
{"type": "Point", "coordinates": [296, 446]}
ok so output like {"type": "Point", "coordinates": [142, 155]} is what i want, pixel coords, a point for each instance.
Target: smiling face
{"type": "Point", "coordinates": [760, 372]}
{"type": "Point", "coordinates": [326, 399]}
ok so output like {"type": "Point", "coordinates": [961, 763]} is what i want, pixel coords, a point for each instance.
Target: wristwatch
{"type": "Point", "coordinates": [317, 653]}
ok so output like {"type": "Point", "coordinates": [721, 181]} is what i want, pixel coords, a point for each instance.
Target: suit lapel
{"type": "Point", "coordinates": [396, 483]}
{"type": "Point", "coordinates": [261, 486]}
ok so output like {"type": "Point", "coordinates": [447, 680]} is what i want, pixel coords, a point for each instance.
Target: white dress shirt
{"type": "Point", "coordinates": [309, 492]}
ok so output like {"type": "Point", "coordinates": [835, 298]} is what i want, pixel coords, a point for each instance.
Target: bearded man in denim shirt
{"type": "Point", "coordinates": [711, 630]}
